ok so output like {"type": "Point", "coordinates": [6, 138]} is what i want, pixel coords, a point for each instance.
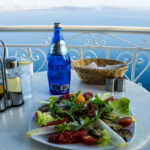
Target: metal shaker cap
{"type": "Point", "coordinates": [57, 25]}
{"type": "Point", "coordinates": [121, 79]}
{"type": "Point", "coordinates": [110, 79]}
{"type": "Point", "coordinates": [11, 62]}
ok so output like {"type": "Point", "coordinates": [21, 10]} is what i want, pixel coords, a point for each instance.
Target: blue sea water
{"type": "Point", "coordinates": [139, 18]}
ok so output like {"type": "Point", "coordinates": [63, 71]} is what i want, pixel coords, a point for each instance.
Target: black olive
{"type": "Point", "coordinates": [44, 108]}
{"type": "Point", "coordinates": [79, 113]}
{"type": "Point", "coordinates": [94, 133]}
{"type": "Point", "coordinates": [58, 99]}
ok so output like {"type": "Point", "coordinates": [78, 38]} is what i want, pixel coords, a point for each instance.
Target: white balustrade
{"type": "Point", "coordinates": [94, 44]}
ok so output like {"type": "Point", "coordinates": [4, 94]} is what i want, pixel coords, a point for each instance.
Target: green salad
{"type": "Point", "coordinates": [74, 118]}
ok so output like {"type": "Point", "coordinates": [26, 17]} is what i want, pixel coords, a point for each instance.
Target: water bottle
{"type": "Point", "coordinates": [58, 64]}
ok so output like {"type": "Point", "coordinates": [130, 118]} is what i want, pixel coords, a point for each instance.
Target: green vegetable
{"type": "Point", "coordinates": [72, 99]}
{"type": "Point", "coordinates": [68, 103]}
{"type": "Point", "coordinates": [44, 118]}
{"type": "Point", "coordinates": [104, 96]}
{"type": "Point", "coordinates": [121, 107]}
{"type": "Point", "coordinates": [52, 98]}
{"type": "Point", "coordinates": [97, 101]}
{"type": "Point", "coordinates": [73, 126]}
{"type": "Point", "coordinates": [104, 139]}
{"type": "Point", "coordinates": [112, 117]}
{"type": "Point", "coordinates": [72, 106]}
{"type": "Point", "coordinates": [41, 131]}
{"type": "Point", "coordinates": [115, 139]}
{"type": "Point", "coordinates": [52, 107]}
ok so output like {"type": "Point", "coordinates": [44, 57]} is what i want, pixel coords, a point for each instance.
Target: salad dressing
{"type": "Point", "coordinates": [1, 90]}
{"type": "Point", "coordinates": [14, 84]}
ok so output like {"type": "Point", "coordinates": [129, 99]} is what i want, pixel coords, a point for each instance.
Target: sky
{"type": "Point", "coordinates": [136, 3]}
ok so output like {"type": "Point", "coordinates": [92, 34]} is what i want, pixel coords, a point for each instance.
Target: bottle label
{"type": "Point", "coordinates": [60, 88]}
{"type": "Point", "coordinates": [58, 48]}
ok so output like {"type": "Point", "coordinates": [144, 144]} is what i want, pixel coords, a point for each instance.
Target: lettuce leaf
{"type": "Point", "coordinates": [121, 107]}
{"type": "Point", "coordinates": [104, 96]}
{"type": "Point", "coordinates": [52, 98]}
{"type": "Point", "coordinates": [104, 139]}
{"type": "Point", "coordinates": [44, 118]}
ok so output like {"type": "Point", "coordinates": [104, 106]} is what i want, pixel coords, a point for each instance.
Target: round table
{"type": "Point", "coordinates": [14, 122]}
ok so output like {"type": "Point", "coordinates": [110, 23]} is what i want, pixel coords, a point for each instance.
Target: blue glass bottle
{"type": "Point", "coordinates": [58, 64]}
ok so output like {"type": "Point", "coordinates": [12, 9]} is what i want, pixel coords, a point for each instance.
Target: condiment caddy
{"type": "Point", "coordinates": [10, 83]}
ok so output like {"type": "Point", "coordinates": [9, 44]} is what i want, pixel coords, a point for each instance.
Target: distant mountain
{"type": "Point", "coordinates": [20, 7]}
{"type": "Point", "coordinates": [109, 7]}
{"type": "Point", "coordinates": [73, 8]}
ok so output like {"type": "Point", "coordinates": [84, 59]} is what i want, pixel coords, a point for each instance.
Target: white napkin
{"type": "Point", "coordinates": [107, 67]}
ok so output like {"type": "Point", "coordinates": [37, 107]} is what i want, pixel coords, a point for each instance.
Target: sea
{"type": "Point", "coordinates": [139, 18]}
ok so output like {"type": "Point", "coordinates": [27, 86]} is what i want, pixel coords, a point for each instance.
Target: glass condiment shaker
{"type": "Point", "coordinates": [13, 80]}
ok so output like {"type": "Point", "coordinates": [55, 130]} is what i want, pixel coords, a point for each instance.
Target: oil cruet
{"type": "Point", "coordinates": [13, 80]}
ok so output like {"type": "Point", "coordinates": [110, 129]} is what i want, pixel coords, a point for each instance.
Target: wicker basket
{"type": "Point", "coordinates": [97, 76]}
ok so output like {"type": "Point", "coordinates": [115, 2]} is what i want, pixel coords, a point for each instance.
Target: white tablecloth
{"type": "Point", "coordinates": [14, 122]}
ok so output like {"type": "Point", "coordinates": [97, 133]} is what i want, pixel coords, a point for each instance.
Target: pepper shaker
{"type": "Point", "coordinates": [121, 83]}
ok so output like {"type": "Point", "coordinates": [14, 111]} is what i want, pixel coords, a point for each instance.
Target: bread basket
{"type": "Point", "coordinates": [97, 76]}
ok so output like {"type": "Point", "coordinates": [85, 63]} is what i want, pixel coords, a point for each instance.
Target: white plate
{"type": "Point", "coordinates": [43, 138]}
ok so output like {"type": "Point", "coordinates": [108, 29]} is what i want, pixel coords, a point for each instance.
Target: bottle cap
{"type": "Point", "coordinates": [11, 62]}
{"type": "Point", "coordinates": [57, 25]}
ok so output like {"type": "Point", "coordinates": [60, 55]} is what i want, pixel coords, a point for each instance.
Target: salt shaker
{"type": "Point", "coordinates": [121, 83]}
{"type": "Point", "coordinates": [110, 83]}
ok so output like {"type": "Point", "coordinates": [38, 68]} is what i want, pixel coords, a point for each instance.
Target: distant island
{"type": "Point", "coordinates": [73, 8]}
{"type": "Point", "coordinates": [65, 8]}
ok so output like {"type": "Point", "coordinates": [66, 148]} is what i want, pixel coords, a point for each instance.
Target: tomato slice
{"type": "Point", "coordinates": [110, 99]}
{"type": "Point", "coordinates": [77, 135]}
{"type": "Point", "coordinates": [125, 121]}
{"type": "Point", "coordinates": [83, 131]}
{"type": "Point", "coordinates": [67, 137]}
{"type": "Point", "coordinates": [87, 94]}
{"type": "Point", "coordinates": [36, 114]}
{"type": "Point", "coordinates": [66, 96]}
{"type": "Point", "coordinates": [88, 139]}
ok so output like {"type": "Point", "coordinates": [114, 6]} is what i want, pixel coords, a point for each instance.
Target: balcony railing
{"type": "Point", "coordinates": [133, 50]}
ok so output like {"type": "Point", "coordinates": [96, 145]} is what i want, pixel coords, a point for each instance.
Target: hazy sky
{"type": "Point", "coordinates": [142, 3]}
